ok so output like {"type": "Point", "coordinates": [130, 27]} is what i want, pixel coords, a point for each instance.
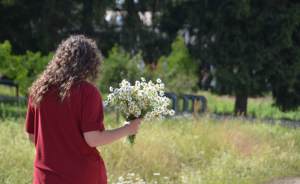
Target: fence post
{"type": "Point", "coordinates": [173, 97]}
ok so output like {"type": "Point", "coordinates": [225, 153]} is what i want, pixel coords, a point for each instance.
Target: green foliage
{"type": "Point", "coordinates": [177, 70]}
{"type": "Point", "coordinates": [33, 64]}
{"type": "Point", "coordinates": [9, 63]}
{"type": "Point", "coordinates": [120, 65]}
{"type": "Point", "coordinates": [23, 69]}
{"type": "Point", "coordinates": [179, 58]}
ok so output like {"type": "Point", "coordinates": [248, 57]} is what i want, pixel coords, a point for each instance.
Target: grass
{"type": "Point", "coordinates": [12, 110]}
{"type": "Point", "coordinates": [182, 150]}
{"type": "Point", "coordinates": [257, 107]}
{"type": "Point", "coordinates": [7, 91]}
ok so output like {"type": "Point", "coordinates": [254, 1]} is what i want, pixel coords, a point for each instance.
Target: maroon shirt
{"type": "Point", "coordinates": [62, 155]}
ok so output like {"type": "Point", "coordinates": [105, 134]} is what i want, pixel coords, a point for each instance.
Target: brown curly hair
{"type": "Point", "coordinates": [77, 58]}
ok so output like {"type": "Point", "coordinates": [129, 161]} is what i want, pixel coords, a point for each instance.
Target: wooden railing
{"type": "Point", "coordinates": [189, 104]}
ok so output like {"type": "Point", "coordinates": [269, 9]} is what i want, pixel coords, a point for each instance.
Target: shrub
{"type": "Point", "coordinates": [34, 64]}
{"type": "Point", "coordinates": [120, 65]}
{"type": "Point", "coordinates": [23, 69]}
{"type": "Point", "coordinates": [177, 70]}
{"type": "Point", "coordinates": [9, 63]}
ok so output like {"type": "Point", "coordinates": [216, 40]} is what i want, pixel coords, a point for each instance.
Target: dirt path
{"type": "Point", "coordinates": [286, 181]}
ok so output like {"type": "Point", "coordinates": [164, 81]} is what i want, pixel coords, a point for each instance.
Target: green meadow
{"type": "Point", "coordinates": [191, 150]}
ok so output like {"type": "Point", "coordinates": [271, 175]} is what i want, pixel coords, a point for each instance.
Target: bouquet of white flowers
{"type": "Point", "coordinates": [141, 100]}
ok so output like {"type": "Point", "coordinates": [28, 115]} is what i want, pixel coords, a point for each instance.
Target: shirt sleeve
{"type": "Point", "coordinates": [92, 110]}
{"type": "Point", "coordinates": [29, 122]}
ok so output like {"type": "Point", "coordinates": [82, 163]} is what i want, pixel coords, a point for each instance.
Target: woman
{"type": "Point", "coordinates": [65, 117]}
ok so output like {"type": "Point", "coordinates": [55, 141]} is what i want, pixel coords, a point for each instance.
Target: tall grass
{"type": "Point", "coordinates": [12, 110]}
{"type": "Point", "coordinates": [174, 151]}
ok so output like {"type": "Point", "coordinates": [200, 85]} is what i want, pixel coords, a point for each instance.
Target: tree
{"type": "Point", "coordinates": [252, 45]}
{"type": "Point", "coordinates": [286, 78]}
{"type": "Point", "coordinates": [41, 25]}
{"type": "Point", "coordinates": [137, 32]}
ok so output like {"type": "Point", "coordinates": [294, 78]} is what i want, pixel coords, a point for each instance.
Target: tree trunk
{"type": "Point", "coordinates": [240, 107]}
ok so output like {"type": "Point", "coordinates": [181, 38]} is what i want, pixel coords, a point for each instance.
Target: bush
{"type": "Point", "coordinates": [120, 65]}
{"type": "Point", "coordinates": [23, 69]}
{"type": "Point", "coordinates": [9, 63]}
{"type": "Point", "coordinates": [177, 70]}
{"type": "Point", "coordinates": [34, 64]}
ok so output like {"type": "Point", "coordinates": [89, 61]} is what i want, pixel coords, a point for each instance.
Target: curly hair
{"type": "Point", "coordinates": [76, 59]}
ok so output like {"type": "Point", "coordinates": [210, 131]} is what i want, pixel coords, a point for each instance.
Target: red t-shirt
{"type": "Point", "coordinates": [62, 155]}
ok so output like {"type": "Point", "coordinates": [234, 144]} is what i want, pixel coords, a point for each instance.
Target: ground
{"type": "Point", "coordinates": [286, 181]}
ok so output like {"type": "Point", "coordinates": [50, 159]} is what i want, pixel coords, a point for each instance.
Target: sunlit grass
{"type": "Point", "coordinates": [8, 91]}
{"type": "Point", "coordinates": [182, 150]}
{"type": "Point", "coordinates": [257, 107]}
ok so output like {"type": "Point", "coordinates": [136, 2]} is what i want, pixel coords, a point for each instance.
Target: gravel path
{"type": "Point", "coordinates": [286, 181]}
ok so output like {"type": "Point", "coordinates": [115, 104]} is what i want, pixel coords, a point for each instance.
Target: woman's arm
{"type": "Point", "coordinates": [98, 138]}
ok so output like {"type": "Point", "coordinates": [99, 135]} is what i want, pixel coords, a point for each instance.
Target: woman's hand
{"type": "Point", "coordinates": [133, 126]}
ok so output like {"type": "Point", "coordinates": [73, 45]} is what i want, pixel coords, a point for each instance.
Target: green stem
{"type": "Point", "coordinates": [131, 138]}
